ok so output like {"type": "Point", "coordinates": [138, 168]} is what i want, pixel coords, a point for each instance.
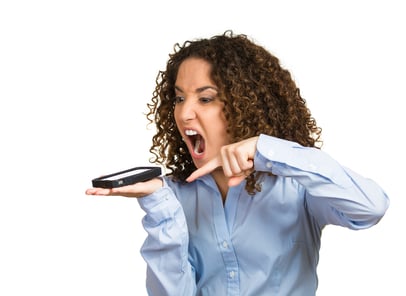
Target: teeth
{"type": "Point", "coordinates": [190, 132]}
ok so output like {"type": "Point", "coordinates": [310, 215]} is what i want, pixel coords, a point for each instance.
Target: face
{"type": "Point", "coordinates": [198, 111]}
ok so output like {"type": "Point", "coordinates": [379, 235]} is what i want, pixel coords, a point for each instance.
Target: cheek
{"type": "Point", "coordinates": [221, 127]}
{"type": "Point", "coordinates": [223, 123]}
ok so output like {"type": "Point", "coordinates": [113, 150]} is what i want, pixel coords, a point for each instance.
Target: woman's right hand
{"type": "Point", "coordinates": [138, 190]}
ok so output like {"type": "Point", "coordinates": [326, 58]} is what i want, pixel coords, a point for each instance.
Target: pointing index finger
{"type": "Point", "coordinates": [210, 166]}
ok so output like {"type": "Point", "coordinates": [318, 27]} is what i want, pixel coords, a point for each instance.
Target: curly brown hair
{"type": "Point", "coordinates": [259, 96]}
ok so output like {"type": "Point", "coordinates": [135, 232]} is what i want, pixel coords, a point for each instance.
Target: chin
{"type": "Point", "coordinates": [199, 161]}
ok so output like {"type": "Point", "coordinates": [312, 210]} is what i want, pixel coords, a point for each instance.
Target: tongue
{"type": "Point", "coordinates": [199, 145]}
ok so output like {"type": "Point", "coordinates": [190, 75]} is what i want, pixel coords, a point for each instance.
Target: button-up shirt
{"type": "Point", "coordinates": [262, 244]}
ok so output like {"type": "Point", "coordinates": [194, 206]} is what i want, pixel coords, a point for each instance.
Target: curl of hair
{"type": "Point", "coordinates": [260, 97]}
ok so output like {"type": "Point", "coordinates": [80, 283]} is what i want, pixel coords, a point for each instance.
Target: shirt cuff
{"type": "Point", "coordinates": [273, 151]}
{"type": "Point", "coordinates": [160, 205]}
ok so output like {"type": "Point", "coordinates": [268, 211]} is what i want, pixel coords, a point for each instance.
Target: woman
{"type": "Point", "coordinates": [249, 189]}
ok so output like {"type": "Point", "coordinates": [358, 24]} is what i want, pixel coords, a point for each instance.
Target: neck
{"type": "Point", "coordinates": [222, 182]}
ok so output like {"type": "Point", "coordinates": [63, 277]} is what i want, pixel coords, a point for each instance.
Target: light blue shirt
{"type": "Point", "coordinates": [266, 244]}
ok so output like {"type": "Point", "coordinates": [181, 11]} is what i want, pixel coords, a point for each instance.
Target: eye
{"type": "Point", "coordinates": [205, 100]}
{"type": "Point", "coordinates": [178, 99]}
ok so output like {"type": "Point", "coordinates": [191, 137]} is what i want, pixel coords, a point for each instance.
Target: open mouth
{"type": "Point", "coordinates": [196, 141]}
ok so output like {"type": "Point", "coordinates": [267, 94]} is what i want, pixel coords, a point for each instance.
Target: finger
{"type": "Point", "coordinates": [239, 163]}
{"type": "Point", "coordinates": [205, 169]}
{"type": "Point", "coordinates": [229, 163]}
{"type": "Point", "coordinates": [98, 191]}
{"type": "Point", "coordinates": [236, 158]}
{"type": "Point", "coordinates": [133, 190]}
{"type": "Point", "coordinates": [126, 189]}
{"type": "Point", "coordinates": [246, 164]}
{"type": "Point", "coordinates": [244, 155]}
{"type": "Point", "coordinates": [139, 189]}
{"type": "Point", "coordinates": [236, 180]}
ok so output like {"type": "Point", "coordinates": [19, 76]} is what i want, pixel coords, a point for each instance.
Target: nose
{"type": "Point", "coordinates": [186, 111]}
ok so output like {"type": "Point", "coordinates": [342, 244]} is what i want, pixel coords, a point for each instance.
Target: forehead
{"type": "Point", "coordinates": [193, 73]}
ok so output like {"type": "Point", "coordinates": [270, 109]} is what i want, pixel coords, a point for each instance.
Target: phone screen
{"type": "Point", "coordinates": [126, 174]}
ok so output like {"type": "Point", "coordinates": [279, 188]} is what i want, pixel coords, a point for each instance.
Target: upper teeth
{"type": "Point", "coordinates": [190, 132]}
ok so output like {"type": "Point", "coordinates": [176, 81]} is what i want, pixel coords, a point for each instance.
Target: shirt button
{"type": "Point", "coordinates": [232, 274]}
{"type": "Point", "coordinates": [269, 164]}
{"type": "Point", "coordinates": [225, 244]}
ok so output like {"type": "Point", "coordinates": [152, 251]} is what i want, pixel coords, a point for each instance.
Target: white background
{"type": "Point", "coordinates": [75, 77]}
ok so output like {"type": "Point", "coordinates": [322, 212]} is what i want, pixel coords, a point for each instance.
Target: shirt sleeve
{"type": "Point", "coordinates": [165, 249]}
{"type": "Point", "coordinates": [333, 194]}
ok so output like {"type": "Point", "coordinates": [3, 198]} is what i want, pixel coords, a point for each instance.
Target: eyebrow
{"type": "Point", "coordinates": [199, 89]}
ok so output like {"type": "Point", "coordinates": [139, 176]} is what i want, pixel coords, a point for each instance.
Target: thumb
{"type": "Point", "coordinates": [235, 180]}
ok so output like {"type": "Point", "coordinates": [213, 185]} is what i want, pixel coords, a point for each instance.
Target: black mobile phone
{"type": "Point", "coordinates": [127, 177]}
